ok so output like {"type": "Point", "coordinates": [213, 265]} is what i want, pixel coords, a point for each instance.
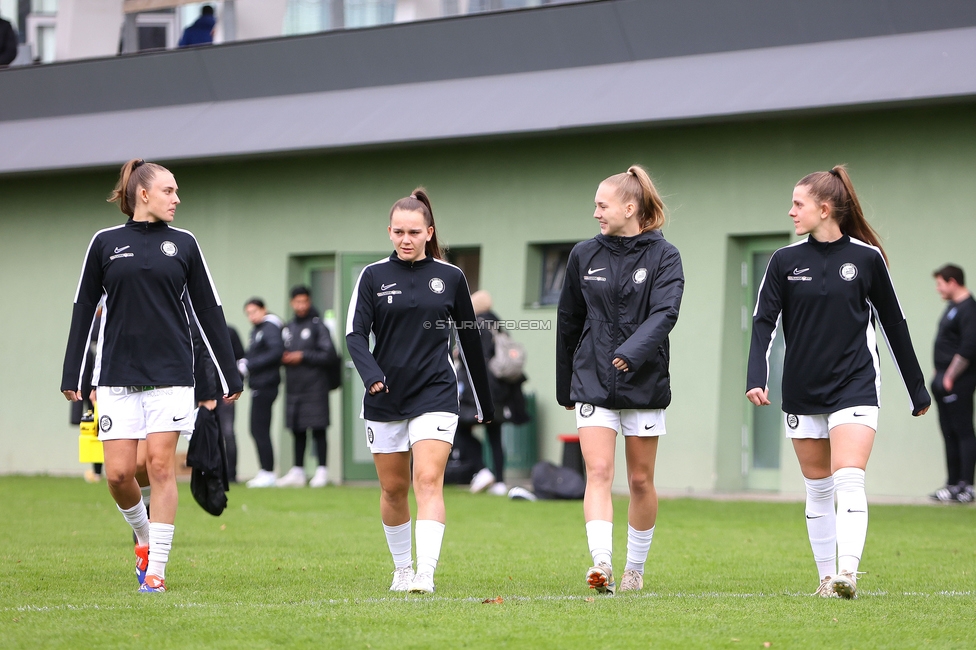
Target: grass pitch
{"type": "Point", "coordinates": [310, 568]}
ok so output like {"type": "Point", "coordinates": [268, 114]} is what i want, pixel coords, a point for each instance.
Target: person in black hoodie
{"type": "Point", "coordinates": [308, 358]}
{"type": "Point", "coordinates": [411, 302]}
{"type": "Point", "coordinates": [262, 367]}
{"type": "Point", "coordinates": [201, 32]}
{"type": "Point", "coordinates": [142, 271]}
{"type": "Point", "coordinates": [618, 305]}
{"type": "Point", "coordinates": [827, 292]}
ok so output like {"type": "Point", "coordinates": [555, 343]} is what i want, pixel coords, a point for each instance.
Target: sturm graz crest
{"type": "Point", "coordinates": [105, 423]}
{"type": "Point", "coordinates": [586, 410]}
{"type": "Point", "coordinates": [792, 421]}
{"type": "Point", "coordinates": [640, 275]}
{"type": "Point", "coordinates": [848, 271]}
{"type": "Point", "coordinates": [369, 434]}
{"type": "Point", "coordinates": [169, 248]}
{"type": "Point", "coordinates": [437, 285]}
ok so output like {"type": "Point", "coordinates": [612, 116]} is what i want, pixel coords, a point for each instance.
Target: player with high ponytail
{"type": "Point", "coordinates": [828, 292]}
{"type": "Point", "coordinates": [410, 303]}
{"type": "Point", "coordinates": [151, 278]}
{"type": "Point", "coordinates": [618, 305]}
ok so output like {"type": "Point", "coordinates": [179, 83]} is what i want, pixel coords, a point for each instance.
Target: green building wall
{"type": "Point", "coordinates": [724, 183]}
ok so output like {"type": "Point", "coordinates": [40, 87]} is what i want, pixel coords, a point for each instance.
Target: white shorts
{"type": "Point", "coordinates": [129, 412]}
{"type": "Point", "coordinates": [401, 435]}
{"type": "Point", "coordinates": [819, 426]}
{"type": "Point", "coordinates": [644, 423]}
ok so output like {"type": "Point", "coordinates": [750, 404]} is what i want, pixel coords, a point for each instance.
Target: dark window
{"type": "Point", "coordinates": [553, 258]}
{"type": "Point", "coordinates": [469, 261]}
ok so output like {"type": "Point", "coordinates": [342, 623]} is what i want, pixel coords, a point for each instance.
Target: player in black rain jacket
{"type": "Point", "coordinates": [410, 303]}
{"type": "Point", "coordinates": [262, 365]}
{"type": "Point", "coordinates": [619, 302]}
{"type": "Point", "coordinates": [144, 370]}
{"type": "Point", "coordinates": [826, 293]}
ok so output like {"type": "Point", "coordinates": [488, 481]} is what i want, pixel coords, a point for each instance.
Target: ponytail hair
{"type": "Point", "coordinates": [418, 201]}
{"type": "Point", "coordinates": [635, 186]}
{"type": "Point", "coordinates": [835, 188]}
{"type": "Point", "coordinates": [134, 174]}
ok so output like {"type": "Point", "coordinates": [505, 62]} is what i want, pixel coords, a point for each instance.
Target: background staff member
{"type": "Point", "coordinates": [829, 289]}
{"type": "Point", "coordinates": [262, 367]}
{"type": "Point", "coordinates": [142, 270]}
{"type": "Point", "coordinates": [410, 302]}
{"type": "Point", "coordinates": [617, 307]}
{"type": "Point", "coordinates": [955, 382]}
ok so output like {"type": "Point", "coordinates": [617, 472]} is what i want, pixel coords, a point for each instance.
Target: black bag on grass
{"type": "Point", "coordinates": [554, 482]}
{"type": "Point", "coordinates": [207, 457]}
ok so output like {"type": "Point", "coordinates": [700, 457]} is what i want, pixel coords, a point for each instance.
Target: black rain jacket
{"type": "Point", "coordinates": [620, 298]}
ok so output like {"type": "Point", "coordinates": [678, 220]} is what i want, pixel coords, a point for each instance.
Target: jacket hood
{"type": "Point", "coordinates": [271, 318]}
{"type": "Point", "coordinates": [312, 314]}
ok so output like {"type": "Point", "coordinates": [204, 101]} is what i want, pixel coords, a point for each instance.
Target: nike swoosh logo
{"type": "Point", "coordinates": [119, 250]}
{"type": "Point", "coordinates": [592, 271]}
{"type": "Point", "coordinates": [797, 271]}
{"type": "Point", "coordinates": [440, 429]}
{"type": "Point", "coordinates": [384, 287]}
{"type": "Point", "coordinates": [180, 418]}
{"type": "Point", "coordinates": [648, 428]}
{"type": "Point", "coordinates": [859, 415]}
{"type": "Point", "coordinates": [817, 517]}
{"type": "Point", "coordinates": [852, 511]}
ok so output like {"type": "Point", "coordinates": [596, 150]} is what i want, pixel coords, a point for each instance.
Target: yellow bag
{"type": "Point", "coordinates": [89, 446]}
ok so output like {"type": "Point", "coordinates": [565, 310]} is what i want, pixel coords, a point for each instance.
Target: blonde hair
{"type": "Point", "coordinates": [635, 186]}
{"type": "Point", "coordinates": [481, 301]}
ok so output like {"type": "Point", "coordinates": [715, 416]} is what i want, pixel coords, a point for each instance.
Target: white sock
{"type": "Point", "coordinates": [398, 538]}
{"type": "Point", "coordinates": [822, 524]}
{"type": "Point", "coordinates": [146, 491]}
{"type": "Point", "coordinates": [599, 535]}
{"type": "Point", "coordinates": [160, 542]}
{"type": "Point", "coordinates": [430, 534]}
{"type": "Point", "coordinates": [638, 544]}
{"type": "Point", "coordinates": [852, 517]}
{"type": "Point", "coordinates": [136, 517]}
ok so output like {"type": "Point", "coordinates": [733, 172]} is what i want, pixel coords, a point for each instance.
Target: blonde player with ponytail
{"type": "Point", "coordinates": [618, 305]}
{"type": "Point", "coordinates": [828, 292]}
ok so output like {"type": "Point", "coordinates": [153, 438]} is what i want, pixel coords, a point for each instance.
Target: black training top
{"type": "Point", "coordinates": [412, 308]}
{"type": "Point", "coordinates": [957, 335]}
{"type": "Point", "coordinates": [829, 295]}
{"type": "Point", "coordinates": [620, 298]}
{"type": "Point", "coordinates": [143, 271]}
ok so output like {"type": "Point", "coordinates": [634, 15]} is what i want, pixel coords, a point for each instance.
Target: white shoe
{"type": "Point", "coordinates": [521, 494]}
{"type": "Point", "coordinates": [321, 477]}
{"type": "Point", "coordinates": [498, 489]}
{"type": "Point", "coordinates": [294, 478]}
{"type": "Point", "coordinates": [600, 577]}
{"type": "Point", "coordinates": [633, 580]}
{"type": "Point", "coordinates": [482, 480]}
{"type": "Point", "coordinates": [845, 584]}
{"type": "Point", "coordinates": [826, 590]}
{"type": "Point", "coordinates": [262, 480]}
{"type": "Point", "coordinates": [402, 577]}
{"type": "Point", "coordinates": [422, 583]}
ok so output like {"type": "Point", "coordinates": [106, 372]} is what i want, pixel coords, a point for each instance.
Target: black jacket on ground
{"type": "Point", "coordinates": [829, 295]}
{"type": "Point", "coordinates": [263, 356]}
{"type": "Point", "coordinates": [144, 271]}
{"type": "Point", "coordinates": [412, 308]}
{"type": "Point", "coordinates": [620, 298]}
{"type": "Point", "coordinates": [307, 384]}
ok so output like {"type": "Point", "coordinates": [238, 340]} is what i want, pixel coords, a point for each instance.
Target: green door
{"type": "Point", "coordinates": [357, 462]}
{"type": "Point", "coordinates": [762, 432]}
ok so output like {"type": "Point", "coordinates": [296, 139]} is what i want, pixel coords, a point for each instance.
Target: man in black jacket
{"type": "Point", "coordinates": [955, 382]}
{"type": "Point", "coordinates": [309, 359]}
{"type": "Point", "coordinates": [261, 364]}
